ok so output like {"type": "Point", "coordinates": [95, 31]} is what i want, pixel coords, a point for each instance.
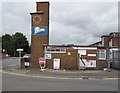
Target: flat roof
{"type": "Point", "coordinates": [114, 32]}
{"type": "Point", "coordinates": [43, 2]}
{"type": "Point", "coordinates": [73, 46]}
{"type": "Point", "coordinates": [105, 36]}
{"type": "Point", "coordinates": [68, 45]}
{"type": "Point", "coordinates": [96, 43]}
{"type": "Point", "coordinates": [38, 12]}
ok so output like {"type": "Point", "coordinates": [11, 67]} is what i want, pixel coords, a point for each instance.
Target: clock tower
{"type": "Point", "coordinates": [39, 32]}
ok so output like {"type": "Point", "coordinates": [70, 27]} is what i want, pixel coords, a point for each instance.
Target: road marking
{"type": "Point", "coordinates": [11, 73]}
{"type": "Point", "coordinates": [50, 77]}
{"type": "Point", "coordinates": [103, 78]}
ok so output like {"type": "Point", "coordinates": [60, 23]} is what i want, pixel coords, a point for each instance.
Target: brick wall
{"type": "Point", "coordinates": [68, 62]}
{"type": "Point", "coordinates": [115, 42]}
{"type": "Point", "coordinates": [37, 41]}
{"type": "Point", "coordinates": [102, 63]}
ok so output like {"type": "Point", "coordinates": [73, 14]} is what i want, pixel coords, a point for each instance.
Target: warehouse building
{"type": "Point", "coordinates": [68, 57]}
{"type": "Point", "coordinates": [75, 57]}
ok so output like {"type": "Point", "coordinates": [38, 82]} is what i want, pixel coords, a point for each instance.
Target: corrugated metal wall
{"type": "Point", "coordinates": [116, 59]}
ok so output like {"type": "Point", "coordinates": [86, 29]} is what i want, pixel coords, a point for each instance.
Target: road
{"type": "Point", "coordinates": [22, 83]}
{"type": "Point", "coordinates": [7, 63]}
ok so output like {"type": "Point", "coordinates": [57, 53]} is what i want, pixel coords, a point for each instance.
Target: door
{"type": "Point", "coordinates": [82, 58]}
{"type": "Point", "coordinates": [56, 63]}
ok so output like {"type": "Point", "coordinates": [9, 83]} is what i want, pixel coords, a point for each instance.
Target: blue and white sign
{"type": "Point", "coordinates": [48, 56]}
{"type": "Point", "coordinates": [39, 31]}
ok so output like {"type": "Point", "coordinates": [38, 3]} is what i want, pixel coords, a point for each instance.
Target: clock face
{"type": "Point", "coordinates": [37, 19]}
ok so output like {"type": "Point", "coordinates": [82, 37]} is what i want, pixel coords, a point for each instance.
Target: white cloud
{"type": "Point", "coordinates": [0, 19]}
{"type": "Point", "coordinates": [16, 17]}
{"type": "Point", "coordinates": [83, 23]}
{"type": "Point", "coordinates": [70, 22]}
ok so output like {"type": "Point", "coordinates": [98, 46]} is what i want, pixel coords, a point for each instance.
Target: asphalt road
{"type": "Point", "coordinates": [22, 83]}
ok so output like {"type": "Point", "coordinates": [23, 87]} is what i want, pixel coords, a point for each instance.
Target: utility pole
{"type": "Point", "coordinates": [108, 58]}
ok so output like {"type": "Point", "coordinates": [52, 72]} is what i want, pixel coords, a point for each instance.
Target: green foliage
{"type": "Point", "coordinates": [0, 39]}
{"type": "Point", "coordinates": [7, 43]}
{"type": "Point", "coordinates": [16, 41]}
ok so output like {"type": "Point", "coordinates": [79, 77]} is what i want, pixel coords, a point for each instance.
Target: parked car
{"type": "Point", "coordinates": [3, 55]}
{"type": "Point", "coordinates": [27, 56]}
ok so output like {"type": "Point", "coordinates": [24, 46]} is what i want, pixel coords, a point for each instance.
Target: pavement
{"type": "Point", "coordinates": [63, 74]}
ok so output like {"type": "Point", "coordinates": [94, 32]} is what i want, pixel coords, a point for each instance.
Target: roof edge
{"type": "Point", "coordinates": [38, 12]}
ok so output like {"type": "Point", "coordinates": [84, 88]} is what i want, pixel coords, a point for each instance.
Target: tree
{"type": "Point", "coordinates": [0, 39]}
{"type": "Point", "coordinates": [0, 43]}
{"type": "Point", "coordinates": [20, 41]}
{"type": "Point", "coordinates": [7, 44]}
{"type": "Point", "coordinates": [16, 41]}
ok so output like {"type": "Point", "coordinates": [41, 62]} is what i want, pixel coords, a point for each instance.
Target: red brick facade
{"type": "Point", "coordinates": [68, 62]}
{"type": "Point", "coordinates": [37, 41]}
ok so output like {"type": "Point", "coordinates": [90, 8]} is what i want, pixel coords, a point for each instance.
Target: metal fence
{"type": "Point", "coordinates": [116, 59]}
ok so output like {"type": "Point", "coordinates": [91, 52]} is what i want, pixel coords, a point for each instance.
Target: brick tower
{"type": "Point", "coordinates": [40, 32]}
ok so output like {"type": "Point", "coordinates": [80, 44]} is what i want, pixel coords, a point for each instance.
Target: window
{"type": "Point", "coordinates": [52, 50]}
{"type": "Point", "coordinates": [102, 54]}
{"type": "Point", "coordinates": [47, 49]}
{"type": "Point", "coordinates": [57, 49]}
{"type": "Point", "coordinates": [110, 43]}
{"type": "Point", "coordinates": [63, 50]}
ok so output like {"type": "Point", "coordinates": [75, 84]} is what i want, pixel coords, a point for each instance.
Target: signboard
{"type": "Point", "coordinates": [82, 62]}
{"type": "Point", "coordinates": [90, 63]}
{"type": "Point", "coordinates": [56, 64]}
{"type": "Point", "coordinates": [19, 49]}
{"type": "Point", "coordinates": [92, 55]}
{"type": "Point", "coordinates": [110, 54]}
{"type": "Point", "coordinates": [27, 64]}
{"type": "Point", "coordinates": [87, 63]}
{"type": "Point", "coordinates": [48, 56]}
{"type": "Point", "coordinates": [41, 60]}
{"type": "Point", "coordinates": [42, 63]}
{"type": "Point", "coordinates": [39, 30]}
{"type": "Point", "coordinates": [69, 53]}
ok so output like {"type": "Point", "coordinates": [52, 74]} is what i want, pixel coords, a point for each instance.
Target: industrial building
{"type": "Point", "coordinates": [112, 44]}
{"type": "Point", "coordinates": [68, 57]}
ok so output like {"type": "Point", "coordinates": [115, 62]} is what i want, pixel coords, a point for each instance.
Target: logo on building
{"type": "Point", "coordinates": [39, 30]}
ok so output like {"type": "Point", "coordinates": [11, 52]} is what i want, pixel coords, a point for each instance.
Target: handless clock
{"type": "Point", "coordinates": [37, 19]}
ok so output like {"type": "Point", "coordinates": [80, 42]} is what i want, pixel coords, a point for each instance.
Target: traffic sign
{"type": "Point", "coordinates": [41, 60]}
{"type": "Point", "coordinates": [19, 49]}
